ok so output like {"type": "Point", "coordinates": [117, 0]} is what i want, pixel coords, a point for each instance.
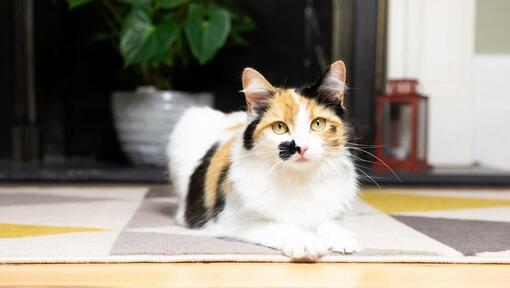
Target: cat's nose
{"type": "Point", "coordinates": [301, 150]}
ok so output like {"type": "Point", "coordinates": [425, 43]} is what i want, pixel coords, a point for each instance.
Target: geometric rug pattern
{"type": "Point", "coordinates": [77, 224]}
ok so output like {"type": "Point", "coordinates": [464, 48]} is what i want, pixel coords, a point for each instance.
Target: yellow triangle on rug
{"type": "Point", "coordinates": [400, 202]}
{"type": "Point", "coordinates": [19, 230]}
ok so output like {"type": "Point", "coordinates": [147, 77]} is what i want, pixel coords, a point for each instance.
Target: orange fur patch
{"type": "Point", "coordinates": [235, 128]}
{"type": "Point", "coordinates": [282, 107]}
{"type": "Point", "coordinates": [218, 162]}
{"type": "Point", "coordinates": [335, 132]}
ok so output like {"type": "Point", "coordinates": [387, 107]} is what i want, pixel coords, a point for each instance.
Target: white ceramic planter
{"type": "Point", "coordinates": [144, 119]}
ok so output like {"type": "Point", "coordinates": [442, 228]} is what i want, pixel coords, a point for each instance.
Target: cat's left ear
{"type": "Point", "coordinates": [256, 88]}
{"type": "Point", "coordinates": [332, 82]}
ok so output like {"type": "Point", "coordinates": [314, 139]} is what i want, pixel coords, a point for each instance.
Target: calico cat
{"type": "Point", "coordinates": [277, 175]}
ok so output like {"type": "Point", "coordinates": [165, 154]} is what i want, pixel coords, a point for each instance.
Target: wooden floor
{"type": "Point", "coordinates": [255, 275]}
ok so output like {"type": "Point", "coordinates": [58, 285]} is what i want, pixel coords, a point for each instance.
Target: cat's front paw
{"type": "Point", "coordinates": [344, 245]}
{"type": "Point", "coordinates": [306, 246]}
{"type": "Point", "coordinates": [340, 240]}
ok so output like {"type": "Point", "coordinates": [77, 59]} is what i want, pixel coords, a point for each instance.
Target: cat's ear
{"type": "Point", "coordinates": [256, 89]}
{"type": "Point", "coordinates": [332, 82]}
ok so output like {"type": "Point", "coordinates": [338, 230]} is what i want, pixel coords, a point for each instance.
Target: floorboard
{"type": "Point", "coordinates": [255, 275]}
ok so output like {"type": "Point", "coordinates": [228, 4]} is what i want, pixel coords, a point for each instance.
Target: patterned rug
{"type": "Point", "coordinates": [54, 224]}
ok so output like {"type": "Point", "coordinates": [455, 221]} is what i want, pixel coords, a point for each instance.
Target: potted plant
{"type": "Point", "coordinates": [156, 38]}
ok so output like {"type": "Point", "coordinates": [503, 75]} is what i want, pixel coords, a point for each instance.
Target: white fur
{"type": "Point", "coordinates": [294, 206]}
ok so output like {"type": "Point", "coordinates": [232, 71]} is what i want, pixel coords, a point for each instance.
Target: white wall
{"type": "Point", "coordinates": [491, 78]}
{"type": "Point", "coordinates": [491, 81]}
{"type": "Point", "coordinates": [432, 41]}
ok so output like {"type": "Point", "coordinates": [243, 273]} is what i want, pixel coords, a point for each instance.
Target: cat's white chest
{"type": "Point", "coordinates": [302, 205]}
{"type": "Point", "coordinates": [295, 201]}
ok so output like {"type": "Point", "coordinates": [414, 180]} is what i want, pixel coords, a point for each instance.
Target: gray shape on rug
{"type": "Point", "coordinates": [149, 243]}
{"type": "Point", "coordinates": [159, 192]}
{"type": "Point", "coordinates": [153, 212]}
{"type": "Point", "coordinates": [392, 252]}
{"type": "Point", "coordinates": [466, 236]}
{"type": "Point", "coordinates": [13, 199]}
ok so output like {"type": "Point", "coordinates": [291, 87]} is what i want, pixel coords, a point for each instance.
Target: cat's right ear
{"type": "Point", "coordinates": [257, 89]}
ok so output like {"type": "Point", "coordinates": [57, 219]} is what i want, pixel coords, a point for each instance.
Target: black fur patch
{"type": "Point", "coordinates": [250, 129]}
{"type": "Point", "coordinates": [219, 205]}
{"type": "Point", "coordinates": [248, 134]}
{"type": "Point", "coordinates": [287, 149]}
{"type": "Point", "coordinates": [324, 100]}
{"type": "Point", "coordinates": [334, 105]}
{"type": "Point", "coordinates": [196, 212]}
{"type": "Point", "coordinates": [220, 194]}
{"type": "Point", "coordinates": [314, 91]}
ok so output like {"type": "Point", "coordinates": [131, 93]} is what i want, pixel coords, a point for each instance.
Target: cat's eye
{"type": "Point", "coordinates": [318, 124]}
{"type": "Point", "coordinates": [279, 127]}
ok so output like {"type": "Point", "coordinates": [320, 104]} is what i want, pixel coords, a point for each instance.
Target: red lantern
{"type": "Point", "coordinates": [401, 127]}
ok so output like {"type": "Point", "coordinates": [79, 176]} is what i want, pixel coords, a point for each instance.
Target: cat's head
{"type": "Point", "coordinates": [296, 127]}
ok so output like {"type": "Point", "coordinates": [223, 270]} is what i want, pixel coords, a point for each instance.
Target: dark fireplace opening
{"type": "Point", "coordinates": [56, 120]}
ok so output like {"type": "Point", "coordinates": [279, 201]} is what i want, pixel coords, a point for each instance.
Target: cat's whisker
{"type": "Point", "coordinates": [258, 153]}
{"type": "Point", "coordinates": [271, 163]}
{"type": "Point", "coordinates": [379, 159]}
{"type": "Point", "coordinates": [334, 169]}
{"type": "Point", "coordinates": [371, 179]}
{"type": "Point", "coordinates": [364, 145]}
{"type": "Point", "coordinates": [362, 166]}
{"type": "Point", "coordinates": [272, 166]}
{"type": "Point", "coordinates": [364, 160]}
{"type": "Point", "coordinates": [359, 166]}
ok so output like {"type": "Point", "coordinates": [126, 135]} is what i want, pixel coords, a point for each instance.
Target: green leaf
{"type": "Point", "coordinates": [142, 42]}
{"type": "Point", "coordinates": [159, 43]}
{"type": "Point", "coordinates": [169, 4]}
{"type": "Point", "coordinates": [77, 3]}
{"type": "Point", "coordinates": [136, 29]}
{"type": "Point", "coordinates": [207, 28]}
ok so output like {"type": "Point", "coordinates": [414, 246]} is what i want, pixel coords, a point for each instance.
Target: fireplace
{"type": "Point", "coordinates": [55, 112]}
